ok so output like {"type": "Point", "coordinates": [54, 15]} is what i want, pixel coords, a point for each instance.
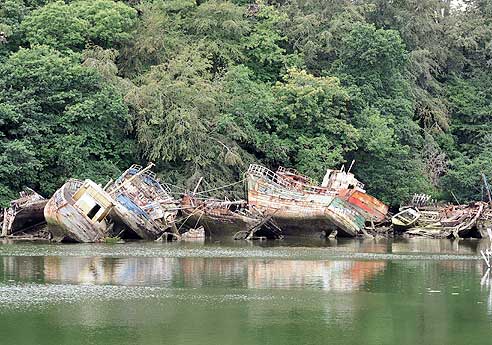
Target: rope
{"type": "Point", "coordinates": [223, 187]}
{"type": "Point", "coordinates": [186, 219]}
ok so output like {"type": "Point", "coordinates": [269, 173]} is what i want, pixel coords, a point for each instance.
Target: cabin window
{"type": "Point", "coordinates": [92, 213]}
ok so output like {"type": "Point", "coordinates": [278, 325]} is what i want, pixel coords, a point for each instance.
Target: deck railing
{"type": "Point", "coordinates": [73, 186]}
{"type": "Point", "coordinates": [295, 173]}
{"type": "Point", "coordinates": [269, 175]}
{"type": "Point", "coordinates": [161, 190]}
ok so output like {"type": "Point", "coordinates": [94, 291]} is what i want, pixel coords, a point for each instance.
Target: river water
{"type": "Point", "coordinates": [280, 292]}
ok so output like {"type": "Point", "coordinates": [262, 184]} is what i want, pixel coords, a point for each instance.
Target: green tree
{"type": "Point", "coordinates": [265, 44]}
{"type": "Point", "coordinates": [110, 23]}
{"type": "Point", "coordinates": [464, 176]}
{"type": "Point", "coordinates": [160, 32]}
{"type": "Point", "coordinates": [302, 121]}
{"type": "Point", "coordinates": [179, 124]}
{"type": "Point", "coordinates": [422, 25]}
{"type": "Point", "coordinates": [218, 27]}
{"type": "Point", "coordinates": [71, 26]}
{"type": "Point", "coordinates": [58, 119]}
{"type": "Point", "coordinates": [56, 26]}
{"type": "Point", "coordinates": [312, 116]}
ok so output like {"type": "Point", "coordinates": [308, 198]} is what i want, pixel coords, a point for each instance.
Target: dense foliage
{"type": "Point", "coordinates": [205, 87]}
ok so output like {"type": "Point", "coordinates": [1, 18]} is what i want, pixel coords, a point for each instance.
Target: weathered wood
{"type": "Point", "coordinates": [79, 211]}
{"type": "Point", "coordinates": [23, 212]}
{"type": "Point", "coordinates": [143, 205]}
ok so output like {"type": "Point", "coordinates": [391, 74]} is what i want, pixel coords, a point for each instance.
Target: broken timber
{"type": "Point", "coordinates": [143, 205]}
{"type": "Point", "coordinates": [451, 222]}
{"type": "Point", "coordinates": [24, 214]}
{"type": "Point", "coordinates": [224, 218]}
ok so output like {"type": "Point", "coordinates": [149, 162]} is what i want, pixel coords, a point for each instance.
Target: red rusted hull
{"type": "Point", "coordinates": [300, 207]}
{"type": "Point", "coordinates": [372, 208]}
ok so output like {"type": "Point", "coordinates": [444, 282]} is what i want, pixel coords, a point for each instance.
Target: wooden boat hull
{"type": "Point", "coordinates": [30, 215]}
{"type": "Point", "coordinates": [66, 222]}
{"type": "Point", "coordinates": [141, 225]}
{"type": "Point", "coordinates": [304, 214]}
{"type": "Point", "coordinates": [405, 219]}
{"type": "Point", "coordinates": [219, 226]}
{"type": "Point", "coordinates": [144, 208]}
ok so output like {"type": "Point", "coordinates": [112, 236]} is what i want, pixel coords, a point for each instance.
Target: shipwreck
{"type": "Point", "coordinates": [24, 214]}
{"type": "Point", "coordinates": [405, 219]}
{"type": "Point", "coordinates": [79, 212]}
{"type": "Point", "coordinates": [300, 207]}
{"type": "Point", "coordinates": [453, 221]}
{"type": "Point", "coordinates": [425, 217]}
{"type": "Point", "coordinates": [144, 207]}
{"type": "Point", "coordinates": [225, 218]}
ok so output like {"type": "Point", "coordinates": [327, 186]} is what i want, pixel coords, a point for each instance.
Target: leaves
{"type": "Point", "coordinates": [70, 26]}
{"type": "Point", "coordinates": [58, 120]}
{"type": "Point", "coordinates": [204, 88]}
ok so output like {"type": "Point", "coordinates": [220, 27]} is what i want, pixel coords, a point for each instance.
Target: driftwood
{"type": "Point", "coordinates": [265, 229]}
{"type": "Point", "coordinates": [194, 234]}
{"type": "Point", "coordinates": [428, 232]}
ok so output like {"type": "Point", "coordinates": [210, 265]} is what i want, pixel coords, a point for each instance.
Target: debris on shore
{"type": "Point", "coordinates": [137, 205]}
{"type": "Point", "coordinates": [24, 216]}
{"type": "Point", "coordinates": [194, 234]}
{"type": "Point", "coordinates": [433, 220]}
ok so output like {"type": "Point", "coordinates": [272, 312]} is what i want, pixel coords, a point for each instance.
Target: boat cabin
{"type": "Point", "coordinates": [93, 201]}
{"type": "Point", "coordinates": [341, 179]}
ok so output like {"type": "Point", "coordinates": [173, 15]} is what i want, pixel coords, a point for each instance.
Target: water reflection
{"type": "Point", "coordinates": [246, 293]}
{"type": "Point", "coordinates": [373, 249]}
{"type": "Point", "coordinates": [107, 270]}
{"type": "Point", "coordinates": [428, 245]}
{"type": "Point", "coordinates": [241, 265]}
{"type": "Point", "coordinates": [194, 272]}
{"type": "Point", "coordinates": [326, 275]}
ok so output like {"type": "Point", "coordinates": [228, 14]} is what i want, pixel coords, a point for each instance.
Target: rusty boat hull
{"type": "Point", "coordinates": [29, 215]}
{"type": "Point", "coordinates": [32, 214]}
{"type": "Point", "coordinates": [226, 218]}
{"type": "Point", "coordinates": [300, 213]}
{"type": "Point", "coordinates": [371, 208]}
{"type": "Point", "coordinates": [219, 225]}
{"type": "Point", "coordinates": [66, 221]}
{"type": "Point", "coordinates": [24, 214]}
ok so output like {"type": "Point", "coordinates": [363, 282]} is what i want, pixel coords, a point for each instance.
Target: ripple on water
{"type": "Point", "coordinates": [176, 251]}
{"type": "Point", "coordinates": [18, 296]}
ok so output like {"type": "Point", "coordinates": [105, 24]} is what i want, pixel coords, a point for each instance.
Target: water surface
{"type": "Point", "coordinates": [224, 292]}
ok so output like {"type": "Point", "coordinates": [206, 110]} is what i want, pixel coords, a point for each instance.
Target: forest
{"type": "Point", "coordinates": [206, 87]}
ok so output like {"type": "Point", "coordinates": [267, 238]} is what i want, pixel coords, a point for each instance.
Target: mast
{"type": "Point", "coordinates": [351, 165]}
{"type": "Point", "coordinates": [487, 188]}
